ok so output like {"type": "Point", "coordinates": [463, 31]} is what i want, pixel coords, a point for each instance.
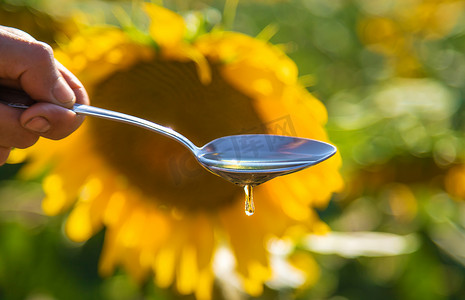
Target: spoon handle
{"type": "Point", "coordinates": [19, 99]}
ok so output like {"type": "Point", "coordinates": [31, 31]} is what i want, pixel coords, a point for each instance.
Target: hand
{"type": "Point", "coordinates": [29, 65]}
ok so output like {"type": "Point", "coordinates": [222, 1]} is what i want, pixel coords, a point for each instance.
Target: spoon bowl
{"type": "Point", "coordinates": [256, 158]}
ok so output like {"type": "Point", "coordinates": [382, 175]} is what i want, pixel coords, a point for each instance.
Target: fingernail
{"type": "Point", "coordinates": [38, 124]}
{"type": "Point", "coordinates": [62, 92]}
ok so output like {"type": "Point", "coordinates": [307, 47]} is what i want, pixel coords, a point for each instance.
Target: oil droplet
{"type": "Point", "coordinates": [249, 205]}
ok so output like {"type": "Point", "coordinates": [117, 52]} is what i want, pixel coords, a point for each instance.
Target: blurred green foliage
{"type": "Point", "coordinates": [396, 111]}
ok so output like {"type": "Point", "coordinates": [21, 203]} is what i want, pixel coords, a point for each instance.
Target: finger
{"type": "Point", "coordinates": [32, 64]}
{"type": "Point", "coordinates": [12, 133]}
{"type": "Point", "coordinates": [75, 84]}
{"type": "Point", "coordinates": [50, 121]}
{"type": "Point", "coordinates": [4, 152]}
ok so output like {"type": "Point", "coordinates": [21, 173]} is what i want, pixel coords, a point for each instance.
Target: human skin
{"type": "Point", "coordinates": [29, 65]}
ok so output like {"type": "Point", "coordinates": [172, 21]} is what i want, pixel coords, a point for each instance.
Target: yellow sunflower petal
{"type": "Point", "coordinates": [56, 197]}
{"type": "Point", "coordinates": [114, 209]}
{"type": "Point", "coordinates": [164, 266]}
{"type": "Point", "coordinates": [203, 290]}
{"type": "Point", "coordinates": [110, 253]}
{"type": "Point", "coordinates": [166, 28]}
{"type": "Point", "coordinates": [79, 225]}
{"type": "Point", "coordinates": [187, 271]}
{"type": "Point", "coordinates": [136, 271]}
{"type": "Point", "coordinates": [155, 223]}
{"type": "Point", "coordinates": [16, 156]}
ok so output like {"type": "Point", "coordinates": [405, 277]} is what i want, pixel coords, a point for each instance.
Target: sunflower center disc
{"type": "Point", "coordinates": [170, 93]}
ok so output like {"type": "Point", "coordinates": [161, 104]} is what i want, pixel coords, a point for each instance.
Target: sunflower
{"type": "Point", "coordinates": [165, 215]}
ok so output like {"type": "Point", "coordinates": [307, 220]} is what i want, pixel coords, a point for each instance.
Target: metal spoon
{"type": "Point", "coordinates": [249, 159]}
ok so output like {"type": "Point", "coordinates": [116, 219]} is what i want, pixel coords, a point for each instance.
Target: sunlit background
{"type": "Point", "coordinates": [391, 74]}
